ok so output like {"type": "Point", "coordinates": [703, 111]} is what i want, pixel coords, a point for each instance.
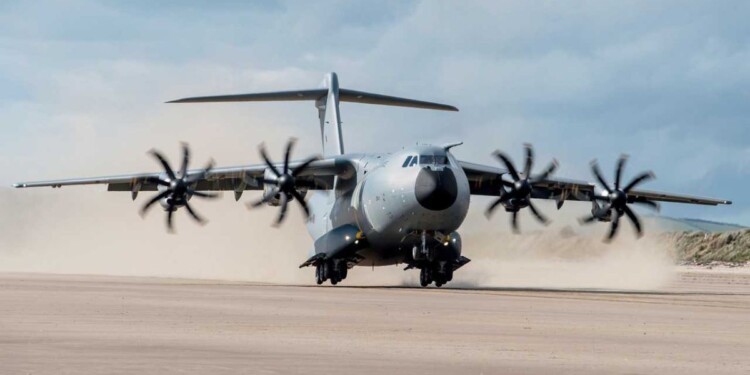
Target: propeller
{"type": "Point", "coordinates": [616, 199]}
{"type": "Point", "coordinates": [177, 187]}
{"type": "Point", "coordinates": [284, 185]}
{"type": "Point", "coordinates": [519, 190]}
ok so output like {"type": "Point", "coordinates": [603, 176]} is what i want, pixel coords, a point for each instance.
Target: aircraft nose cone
{"type": "Point", "coordinates": [436, 190]}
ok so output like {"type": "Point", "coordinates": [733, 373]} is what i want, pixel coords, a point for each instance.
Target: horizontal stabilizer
{"type": "Point", "coordinates": [313, 94]}
{"type": "Point", "coordinates": [345, 95]}
{"type": "Point", "coordinates": [326, 100]}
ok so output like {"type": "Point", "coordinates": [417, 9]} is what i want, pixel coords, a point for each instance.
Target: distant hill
{"type": "Point", "coordinates": [705, 248]}
{"type": "Point", "coordinates": [670, 224]}
{"type": "Point", "coordinates": [702, 241]}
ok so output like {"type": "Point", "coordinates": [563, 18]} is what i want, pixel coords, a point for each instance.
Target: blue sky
{"type": "Point", "coordinates": [82, 84]}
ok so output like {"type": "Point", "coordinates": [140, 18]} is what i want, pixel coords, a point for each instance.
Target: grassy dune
{"type": "Point", "coordinates": [702, 248]}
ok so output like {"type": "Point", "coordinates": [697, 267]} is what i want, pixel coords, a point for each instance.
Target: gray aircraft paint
{"type": "Point", "coordinates": [381, 201]}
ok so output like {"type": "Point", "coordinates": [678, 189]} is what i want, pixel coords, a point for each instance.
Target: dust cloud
{"type": "Point", "coordinates": [87, 230]}
{"type": "Point", "coordinates": [563, 255]}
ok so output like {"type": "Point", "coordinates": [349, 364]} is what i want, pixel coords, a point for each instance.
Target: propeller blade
{"type": "Point", "coordinates": [185, 159]}
{"type": "Point", "coordinates": [202, 194]}
{"type": "Point", "coordinates": [618, 171]}
{"type": "Point", "coordinates": [547, 172]}
{"type": "Point", "coordinates": [266, 197]}
{"type": "Point", "coordinates": [615, 224]}
{"type": "Point", "coordinates": [304, 165]}
{"type": "Point", "coordinates": [270, 182]}
{"type": "Point", "coordinates": [282, 211]}
{"type": "Point", "coordinates": [537, 214]}
{"type": "Point", "coordinates": [598, 175]}
{"type": "Point", "coordinates": [634, 219]}
{"type": "Point", "coordinates": [264, 155]}
{"type": "Point", "coordinates": [529, 160]}
{"type": "Point", "coordinates": [645, 176]}
{"type": "Point", "coordinates": [195, 216]}
{"type": "Point", "coordinates": [651, 204]}
{"type": "Point", "coordinates": [494, 205]}
{"type": "Point", "coordinates": [164, 163]}
{"type": "Point", "coordinates": [202, 175]}
{"type": "Point", "coordinates": [301, 201]}
{"type": "Point", "coordinates": [508, 164]}
{"type": "Point", "coordinates": [514, 222]}
{"type": "Point", "coordinates": [289, 147]}
{"type": "Point", "coordinates": [587, 220]}
{"type": "Point", "coordinates": [153, 200]}
{"type": "Point", "coordinates": [170, 227]}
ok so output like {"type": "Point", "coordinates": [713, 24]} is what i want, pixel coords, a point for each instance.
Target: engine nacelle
{"type": "Point", "coordinates": [600, 213]}
{"type": "Point", "coordinates": [269, 175]}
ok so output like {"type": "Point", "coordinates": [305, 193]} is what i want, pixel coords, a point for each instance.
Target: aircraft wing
{"type": "Point", "coordinates": [485, 180]}
{"type": "Point", "coordinates": [317, 176]}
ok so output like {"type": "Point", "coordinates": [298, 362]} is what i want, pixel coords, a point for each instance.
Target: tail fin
{"type": "Point", "coordinates": [327, 101]}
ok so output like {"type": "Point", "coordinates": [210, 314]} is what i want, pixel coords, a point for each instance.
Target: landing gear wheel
{"type": "Point", "coordinates": [327, 270]}
{"type": "Point", "coordinates": [423, 281]}
{"type": "Point", "coordinates": [425, 276]}
{"type": "Point", "coordinates": [319, 274]}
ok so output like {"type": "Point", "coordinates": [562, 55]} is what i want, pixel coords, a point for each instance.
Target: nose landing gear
{"type": "Point", "coordinates": [334, 270]}
{"type": "Point", "coordinates": [439, 272]}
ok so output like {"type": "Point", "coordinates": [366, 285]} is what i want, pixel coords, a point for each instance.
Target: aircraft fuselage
{"type": "Point", "coordinates": [398, 201]}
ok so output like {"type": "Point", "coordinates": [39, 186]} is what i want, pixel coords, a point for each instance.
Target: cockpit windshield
{"type": "Point", "coordinates": [433, 160]}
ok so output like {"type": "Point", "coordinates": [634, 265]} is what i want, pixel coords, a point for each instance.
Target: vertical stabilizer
{"type": "Point", "coordinates": [330, 117]}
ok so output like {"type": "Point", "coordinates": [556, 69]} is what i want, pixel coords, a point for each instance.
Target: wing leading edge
{"type": "Point", "coordinates": [486, 180]}
{"type": "Point", "coordinates": [318, 176]}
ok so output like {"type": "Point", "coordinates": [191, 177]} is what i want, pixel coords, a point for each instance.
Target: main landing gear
{"type": "Point", "coordinates": [440, 273]}
{"type": "Point", "coordinates": [334, 270]}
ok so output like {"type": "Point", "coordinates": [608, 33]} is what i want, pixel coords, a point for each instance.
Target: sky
{"type": "Point", "coordinates": [83, 86]}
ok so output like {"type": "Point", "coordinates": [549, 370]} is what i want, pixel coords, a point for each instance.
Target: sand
{"type": "Point", "coordinates": [65, 324]}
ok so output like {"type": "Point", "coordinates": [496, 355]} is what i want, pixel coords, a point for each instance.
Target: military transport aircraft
{"type": "Point", "coordinates": [381, 209]}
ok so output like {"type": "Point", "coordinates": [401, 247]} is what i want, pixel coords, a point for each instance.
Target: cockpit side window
{"type": "Point", "coordinates": [406, 162]}
{"type": "Point", "coordinates": [426, 159]}
{"type": "Point", "coordinates": [433, 160]}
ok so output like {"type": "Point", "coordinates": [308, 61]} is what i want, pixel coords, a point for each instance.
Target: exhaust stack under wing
{"type": "Point", "coordinates": [329, 93]}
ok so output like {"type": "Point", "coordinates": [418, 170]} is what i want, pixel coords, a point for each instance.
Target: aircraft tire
{"type": "Point", "coordinates": [423, 278]}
